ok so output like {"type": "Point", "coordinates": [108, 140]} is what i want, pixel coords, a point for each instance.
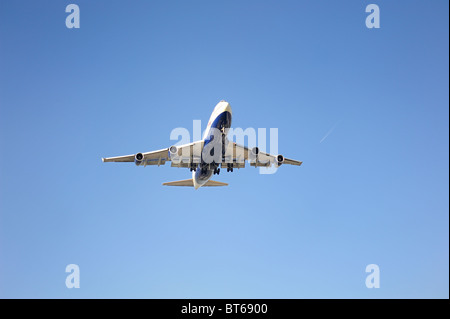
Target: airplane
{"type": "Point", "coordinates": [205, 157]}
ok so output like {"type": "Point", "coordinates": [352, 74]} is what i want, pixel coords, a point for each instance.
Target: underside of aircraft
{"type": "Point", "coordinates": [205, 157]}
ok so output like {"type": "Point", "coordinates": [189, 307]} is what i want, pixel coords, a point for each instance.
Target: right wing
{"type": "Point", "coordinates": [238, 154]}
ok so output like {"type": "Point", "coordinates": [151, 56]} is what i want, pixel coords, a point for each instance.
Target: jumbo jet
{"type": "Point", "coordinates": [205, 157]}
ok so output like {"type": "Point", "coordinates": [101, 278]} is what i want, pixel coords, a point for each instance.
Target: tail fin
{"type": "Point", "coordinates": [190, 183]}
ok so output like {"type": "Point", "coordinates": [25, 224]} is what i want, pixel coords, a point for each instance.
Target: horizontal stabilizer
{"type": "Point", "coordinates": [185, 182]}
{"type": "Point", "coordinates": [214, 183]}
{"type": "Point", "coordinates": [190, 183]}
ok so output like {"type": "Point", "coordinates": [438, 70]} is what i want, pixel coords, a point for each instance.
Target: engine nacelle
{"type": "Point", "coordinates": [253, 155]}
{"type": "Point", "coordinates": [280, 160]}
{"type": "Point", "coordinates": [173, 151]}
{"type": "Point", "coordinates": [139, 159]}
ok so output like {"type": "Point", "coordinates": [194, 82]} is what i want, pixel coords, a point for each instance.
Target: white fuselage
{"type": "Point", "coordinates": [220, 118]}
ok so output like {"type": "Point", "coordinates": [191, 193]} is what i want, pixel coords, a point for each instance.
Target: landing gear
{"type": "Point", "coordinates": [193, 167]}
{"type": "Point", "coordinates": [216, 171]}
{"type": "Point", "coordinates": [229, 167]}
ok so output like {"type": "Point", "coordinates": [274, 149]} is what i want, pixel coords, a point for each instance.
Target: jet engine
{"type": "Point", "coordinates": [253, 156]}
{"type": "Point", "coordinates": [138, 159]}
{"type": "Point", "coordinates": [280, 160]}
{"type": "Point", "coordinates": [173, 151]}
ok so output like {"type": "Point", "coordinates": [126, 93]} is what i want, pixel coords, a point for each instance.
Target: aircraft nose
{"type": "Point", "coordinates": [226, 107]}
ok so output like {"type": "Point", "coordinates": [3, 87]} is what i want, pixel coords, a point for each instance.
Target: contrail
{"type": "Point", "coordinates": [329, 132]}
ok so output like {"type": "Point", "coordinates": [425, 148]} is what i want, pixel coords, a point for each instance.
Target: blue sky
{"type": "Point", "coordinates": [374, 191]}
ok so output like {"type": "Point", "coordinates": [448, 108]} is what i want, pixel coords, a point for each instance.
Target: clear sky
{"type": "Point", "coordinates": [366, 110]}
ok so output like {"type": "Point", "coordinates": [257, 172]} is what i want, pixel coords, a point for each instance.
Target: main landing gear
{"type": "Point", "coordinates": [229, 167]}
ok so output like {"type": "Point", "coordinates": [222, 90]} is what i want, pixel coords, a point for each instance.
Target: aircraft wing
{"type": "Point", "coordinates": [238, 154]}
{"type": "Point", "coordinates": [186, 154]}
{"type": "Point", "coordinates": [180, 155]}
{"type": "Point", "coordinates": [160, 155]}
{"type": "Point", "coordinates": [183, 155]}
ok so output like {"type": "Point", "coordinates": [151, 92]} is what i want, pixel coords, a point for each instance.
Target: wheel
{"type": "Point", "coordinates": [218, 171]}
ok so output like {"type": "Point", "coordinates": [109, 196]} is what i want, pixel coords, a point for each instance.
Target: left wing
{"type": "Point", "coordinates": [150, 158]}
{"type": "Point", "coordinates": [180, 156]}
